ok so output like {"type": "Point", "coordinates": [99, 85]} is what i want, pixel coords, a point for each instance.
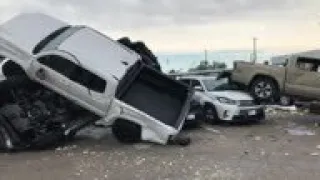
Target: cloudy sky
{"type": "Point", "coordinates": [190, 25]}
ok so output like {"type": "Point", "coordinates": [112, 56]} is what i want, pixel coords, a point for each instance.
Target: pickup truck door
{"type": "Point", "coordinates": [303, 80]}
{"type": "Point", "coordinates": [59, 72]}
{"type": "Point", "coordinates": [51, 71]}
{"type": "Point", "coordinates": [91, 89]}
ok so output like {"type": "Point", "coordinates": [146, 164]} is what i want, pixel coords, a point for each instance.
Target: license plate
{"type": "Point", "coordinates": [252, 112]}
{"type": "Point", "coordinates": [191, 117]}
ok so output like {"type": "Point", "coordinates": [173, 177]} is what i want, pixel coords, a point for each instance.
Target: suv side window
{"type": "Point", "coordinates": [74, 72]}
{"type": "Point", "coordinates": [308, 64]}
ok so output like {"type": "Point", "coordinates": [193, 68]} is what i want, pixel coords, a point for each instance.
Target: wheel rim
{"type": "Point", "coordinates": [263, 90]}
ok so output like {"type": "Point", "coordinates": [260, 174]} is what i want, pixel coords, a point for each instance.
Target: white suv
{"type": "Point", "coordinates": [222, 101]}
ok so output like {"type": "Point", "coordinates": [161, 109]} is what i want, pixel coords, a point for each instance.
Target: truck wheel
{"type": "Point", "coordinates": [126, 131]}
{"type": "Point", "coordinates": [210, 114]}
{"type": "Point", "coordinates": [264, 90]}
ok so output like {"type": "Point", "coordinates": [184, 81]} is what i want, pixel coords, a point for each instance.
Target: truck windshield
{"type": "Point", "coordinates": [56, 38]}
{"type": "Point", "coordinates": [219, 85]}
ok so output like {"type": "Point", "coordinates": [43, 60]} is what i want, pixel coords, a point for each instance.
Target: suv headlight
{"type": "Point", "coordinates": [226, 101]}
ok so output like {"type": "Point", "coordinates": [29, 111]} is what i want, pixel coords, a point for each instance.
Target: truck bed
{"type": "Point", "coordinates": [155, 94]}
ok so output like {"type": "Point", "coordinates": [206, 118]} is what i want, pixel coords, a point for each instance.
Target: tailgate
{"type": "Point", "coordinates": [155, 94]}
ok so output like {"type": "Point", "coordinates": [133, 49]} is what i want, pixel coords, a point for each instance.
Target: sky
{"type": "Point", "coordinates": [173, 26]}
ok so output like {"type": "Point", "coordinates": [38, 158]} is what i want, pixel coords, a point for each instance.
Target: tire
{"type": "Point", "coordinates": [210, 114]}
{"type": "Point", "coordinates": [126, 131]}
{"type": "Point", "coordinates": [264, 89]}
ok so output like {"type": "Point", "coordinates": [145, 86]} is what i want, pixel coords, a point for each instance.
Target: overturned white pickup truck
{"type": "Point", "coordinates": [85, 67]}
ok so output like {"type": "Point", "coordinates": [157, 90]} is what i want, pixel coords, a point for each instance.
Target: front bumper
{"type": "Point", "coordinates": [244, 115]}
{"type": "Point", "coordinates": [237, 113]}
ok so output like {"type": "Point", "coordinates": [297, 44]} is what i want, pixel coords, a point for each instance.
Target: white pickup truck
{"type": "Point", "coordinates": [96, 73]}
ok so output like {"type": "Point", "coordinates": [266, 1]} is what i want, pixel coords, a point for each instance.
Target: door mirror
{"type": "Point", "coordinates": [198, 88]}
{"type": "Point", "coordinates": [41, 74]}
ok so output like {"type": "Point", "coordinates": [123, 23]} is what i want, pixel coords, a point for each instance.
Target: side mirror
{"type": "Point", "coordinates": [198, 88]}
{"type": "Point", "coordinates": [41, 74]}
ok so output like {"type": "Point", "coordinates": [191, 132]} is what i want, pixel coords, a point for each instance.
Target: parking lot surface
{"type": "Point", "coordinates": [285, 146]}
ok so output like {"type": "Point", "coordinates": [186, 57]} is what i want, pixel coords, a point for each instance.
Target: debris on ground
{"type": "Point", "coordinates": [180, 140]}
{"type": "Point", "coordinates": [142, 146]}
{"type": "Point", "coordinates": [66, 148]}
{"type": "Point", "coordinates": [314, 154]}
{"type": "Point", "coordinates": [282, 108]}
{"type": "Point", "coordinates": [216, 131]}
{"type": "Point", "coordinates": [300, 131]}
{"type": "Point", "coordinates": [257, 138]}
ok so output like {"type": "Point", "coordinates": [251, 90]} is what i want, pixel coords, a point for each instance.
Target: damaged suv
{"type": "Point", "coordinates": [63, 77]}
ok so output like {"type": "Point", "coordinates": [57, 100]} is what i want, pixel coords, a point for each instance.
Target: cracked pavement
{"type": "Point", "coordinates": [256, 151]}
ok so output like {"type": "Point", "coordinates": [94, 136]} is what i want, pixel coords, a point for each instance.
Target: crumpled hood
{"type": "Point", "coordinates": [233, 95]}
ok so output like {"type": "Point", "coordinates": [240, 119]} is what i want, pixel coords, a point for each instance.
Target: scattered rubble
{"type": "Point", "coordinates": [300, 131]}
{"type": "Point", "coordinates": [216, 131]}
{"type": "Point", "coordinates": [142, 146]}
{"type": "Point", "coordinates": [67, 148]}
{"type": "Point", "coordinates": [257, 138]}
{"type": "Point", "coordinates": [314, 154]}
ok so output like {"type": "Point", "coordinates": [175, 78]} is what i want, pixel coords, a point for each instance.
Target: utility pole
{"type": "Point", "coordinates": [254, 53]}
{"type": "Point", "coordinates": [206, 56]}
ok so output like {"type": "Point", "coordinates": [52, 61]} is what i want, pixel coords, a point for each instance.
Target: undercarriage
{"type": "Point", "coordinates": [32, 116]}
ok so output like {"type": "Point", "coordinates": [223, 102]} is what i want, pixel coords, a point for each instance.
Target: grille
{"type": "Point", "coordinates": [247, 103]}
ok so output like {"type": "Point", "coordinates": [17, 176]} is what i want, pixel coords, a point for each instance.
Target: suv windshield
{"type": "Point", "coordinates": [219, 85]}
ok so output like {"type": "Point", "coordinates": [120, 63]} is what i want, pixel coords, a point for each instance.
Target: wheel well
{"type": "Point", "coordinates": [208, 104]}
{"type": "Point", "coordinates": [127, 123]}
{"type": "Point", "coordinates": [11, 68]}
{"type": "Point", "coordinates": [266, 77]}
